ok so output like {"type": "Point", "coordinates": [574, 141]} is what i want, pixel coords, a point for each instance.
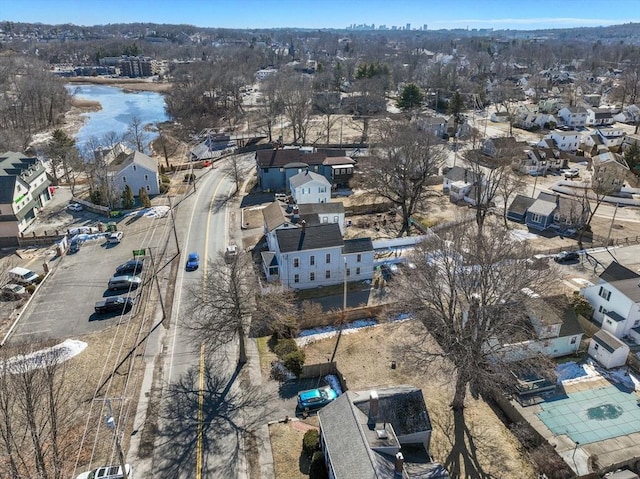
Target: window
{"type": "Point", "coordinates": [134, 168]}
{"type": "Point", "coordinates": [596, 346]}
{"type": "Point", "coordinates": [609, 321]}
{"type": "Point", "coordinates": [281, 170]}
{"type": "Point", "coordinates": [312, 260]}
{"type": "Point", "coordinates": [348, 272]}
{"type": "Point", "coordinates": [265, 170]}
{"type": "Point", "coordinates": [296, 278]}
{"type": "Point", "coordinates": [328, 258]}
{"type": "Point", "coordinates": [312, 276]}
{"type": "Point", "coordinates": [535, 218]}
{"type": "Point", "coordinates": [148, 189]}
{"type": "Point", "coordinates": [358, 271]}
{"type": "Point", "coordinates": [124, 179]}
{"type": "Point", "coordinates": [335, 219]}
{"type": "Point", "coordinates": [325, 219]}
{"type": "Point", "coordinates": [296, 262]}
{"type": "Point", "coordinates": [327, 274]}
{"type": "Point", "coordinates": [358, 258]}
{"type": "Point", "coordinates": [146, 177]}
{"type": "Point", "coordinates": [604, 293]}
{"type": "Point", "coordinates": [573, 340]}
{"type": "Point", "coordinates": [601, 309]}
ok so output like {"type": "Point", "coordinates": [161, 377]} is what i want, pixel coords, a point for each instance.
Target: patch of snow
{"type": "Point", "coordinates": [309, 336]}
{"type": "Point", "coordinates": [153, 212]}
{"type": "Point", "coordinates": [83, 230]}
{"type": "Point", "coordinates": [521, 235]}
{"type": "Point", "coordinates": [572, 372]}
{"type": "Point", "coordinates": [332, 380]}
{"type": "Point", "coordinates": [582, 282]}
{"type": "Point", "coordinates": [45, 357]}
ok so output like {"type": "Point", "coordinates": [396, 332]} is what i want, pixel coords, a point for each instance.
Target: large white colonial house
{"type": "Point", "coordinates": [138, 171]}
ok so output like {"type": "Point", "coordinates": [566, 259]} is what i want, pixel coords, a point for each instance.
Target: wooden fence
{"type": "Point", "coordinates": [323, 369]}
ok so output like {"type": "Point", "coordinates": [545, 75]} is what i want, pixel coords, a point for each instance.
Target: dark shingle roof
{"type": "Point", "coordinates": [324, 235]}
{"type": "Point", "coordinates": [7, 187]}
{"type": "Point", "coordinates": [357, 245]}
{"type": "Point", "coordinates": [321, 208]}
{"type": "Point", "coordinates": [277, 158]}
{"type": "Point", "coordinates": [616, 272]}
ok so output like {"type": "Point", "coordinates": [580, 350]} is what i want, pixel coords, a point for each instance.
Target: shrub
{"type": "Point", "coordinates": [284, 347]}
{"type": "Point", "coordinates": [317, 468]}
{"type": "Point", "coordinates": [30, 289]}
{"type": "Point", "coordinates": [165, 179]}
{"type": "Point", "coordinates": [581, 306]}
{"type": "Point", "coordinates": [189, 178]}
{"type": "Point", "coordinates": [162, 169]}
{"type": "Point", "coordinates": [311, 442]}
{"type": "Point", "coordinates": [144, 197]}
{"type": "Point", "coordinates": [164, 188]}
{"type": "Point", "coordinates": [294, 362]}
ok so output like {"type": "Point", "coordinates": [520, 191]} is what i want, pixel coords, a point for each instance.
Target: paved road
{"type": "Point", "coordinates": [200, 431]}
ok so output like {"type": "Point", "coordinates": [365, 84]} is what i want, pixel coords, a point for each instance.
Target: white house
{"type": "Point", "coordinates": [565, 140]}
{"type": "Point", "coordinates": [611, 137]}
{"type": "Point", "coordinates": [138, 171]}
{"type": "Point", "coordinates": [310, 187]}
{"type": "Point", "coordinates": [608, 350]}
{"type": "Point", "coordinates": [315, 256]}
{"type": "Point", "coordinates": [306, 248]}
{"type": "Point", "coordinates": [573, 116]}
{"type": "Point", "coordinates": [599, 117]}
{"type": "Point", "coordinates": [436, 125]}
{"type": "Point", "coordinates": [24, 189]}
{"type": "Point", "coordinates": [616, 306]}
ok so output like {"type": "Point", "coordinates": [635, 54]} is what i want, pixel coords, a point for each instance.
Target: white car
{"type": "Point", "coordinates": [74, 207]}
{"type": "Point", "coordinates": [115, 238]}
{"type": "Point", "coordinates": [572, 173]}
{"type": "Point", "coordinates": [106, 472]}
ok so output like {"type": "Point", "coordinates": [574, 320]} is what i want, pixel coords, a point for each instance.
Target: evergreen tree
{"type": "Point", "coordinates": [144, 198]}
{"type": "Point", "coordinates": [127, 198]}
{"type": "Point", "coordinates": [632, 157]}
{"type": "Point", "coordinates": [411, 97]}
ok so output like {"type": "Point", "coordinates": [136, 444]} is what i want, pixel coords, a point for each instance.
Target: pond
{"type": "Point", "coordinates": [119, 107]}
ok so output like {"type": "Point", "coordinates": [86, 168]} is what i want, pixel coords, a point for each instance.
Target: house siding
{"type": "Point", "coordinates": [539, 223]}
{"type": "Point", "coordinates": [135, 178]}
{"type": "Point", "coordinates": [617, 302]}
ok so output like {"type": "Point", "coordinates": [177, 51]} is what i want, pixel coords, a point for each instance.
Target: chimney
{"type": "Point", "coordinates": [399, 465]}
{"type": "Point", "coordinates": [373, 407]}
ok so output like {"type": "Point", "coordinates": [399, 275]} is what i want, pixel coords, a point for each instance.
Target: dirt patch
{"type": "Point", "coordinates": [365, 358]}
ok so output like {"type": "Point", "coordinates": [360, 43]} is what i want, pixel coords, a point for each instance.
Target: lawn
{"type": "Point", "coordinates": [365, 358]}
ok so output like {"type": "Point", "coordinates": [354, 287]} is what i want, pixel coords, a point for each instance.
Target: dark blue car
{"type": "Point", "coordinates": [193, 262]}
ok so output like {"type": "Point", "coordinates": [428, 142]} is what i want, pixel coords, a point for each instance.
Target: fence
{"type": "Point", "coordinates": [333, 319]}
{"type": "Point", "coordinates": [323, 369]}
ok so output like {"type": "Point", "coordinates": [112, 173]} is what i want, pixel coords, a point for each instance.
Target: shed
{"type": "Point", "coordinates": [609, 351]}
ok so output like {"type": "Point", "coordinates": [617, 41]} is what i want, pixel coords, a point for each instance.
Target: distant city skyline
{"type": "Point", "coordinates": [251, 14]}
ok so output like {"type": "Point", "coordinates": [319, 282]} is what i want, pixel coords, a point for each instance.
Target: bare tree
{"type": "Point", "coordinates": [168, 146]}
{"type": "Point", "coordinates": [511, 184]}
{"type": "Point", "coordinates": [276, 313]}
{"type": "Point", "coordinates": [400, 167]}
{"type": "Point", "coordinates": [605, 181]}
{"type": "Point", "coordinates": [234, 170]}
{"type": "Point", "coordinates": [136, 134]}
{"type": "Point", "coordinates": [296, 96]}
{"type": "Point", "coordinates": [468, 298]}
{"type": "Point", "coordinates": [221, 308]}
{"type": "Point", "coordinates": [272, 104]}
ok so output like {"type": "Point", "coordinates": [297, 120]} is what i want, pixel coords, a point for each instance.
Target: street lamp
{"type": "Point", "coordinates": [111, 424]}
{"type": "Point", "coordinates": [573, 457]}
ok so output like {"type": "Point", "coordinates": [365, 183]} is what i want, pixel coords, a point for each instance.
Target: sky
{"type": "Point", "coordinates": [436, 14]}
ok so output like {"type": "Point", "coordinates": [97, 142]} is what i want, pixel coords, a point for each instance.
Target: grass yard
{"type": "Point", "coordinates": [364, 358]}
{"type": "Point", "coordinates": [286, 443]}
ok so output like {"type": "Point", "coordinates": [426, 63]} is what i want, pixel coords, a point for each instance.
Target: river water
{"type": "Point", "coordinates": [119, 107]}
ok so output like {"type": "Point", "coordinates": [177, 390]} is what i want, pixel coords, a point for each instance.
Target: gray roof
{"type": "Point", "coordinates": [357, 245]}
{"type": "Point", "coordinates": [608, 341]}
{"type": "Point", "coordinates": [458, 173]}
{"type": "Point", "coordinates": [350, 439]}
{"type": "Point", "coordinates": [629, 287]}
{"type": "Point", "coordinates": [320, 236]}
{"type": "Point", "coordinates": [321, 208]}
{"type": "Point", "coordinates": [7, 187]}
{"type": "Point", "coordinates": [616, 272]}
{"type": "Point", "coordinates": [520, 204]}
{"type": "Point", "coordinates": [139, 159]}
{"type": "Point", "coordinates": [273, 216]}
{"type": "Point", "coordinates": [542, 207]}
{"type": "Point", "coordinates": [281, 157]}
{"type": "Point", "coordinates": [305, 177]}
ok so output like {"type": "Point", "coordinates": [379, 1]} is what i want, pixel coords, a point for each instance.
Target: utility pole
{"type": "Point", "coordinates": [111, 424]}
{"type": "Point", "coordinates": [155, 277]}
{"type": "Point", "coordinates": [611, 225]}
{"type": "Point", "coordinates": [344, 311]}
{"type": "Point", "coordinates": [173, 221]}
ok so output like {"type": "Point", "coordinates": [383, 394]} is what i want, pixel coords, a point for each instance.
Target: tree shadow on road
{"type": "Point", "coordinates": [230, 408]}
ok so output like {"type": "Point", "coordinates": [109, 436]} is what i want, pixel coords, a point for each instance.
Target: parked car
{"type": "Point", "coordinates": [230, 253]}
{"type": "Point", "coordinates": [316, 398]}
{"type": "Point", "coordinates": [23, 275]}
{"type": "Point", "coordinates": [124, 282]}
{"type": "Point", "coordinates": [193, 262]}
{"type": "Point", "coordinates": [75, 207]}
{"type": "Point", "coordinates": [12, 291]}
{"type": "Point", "coordinates": [114, 304]}
{"type": "Point", "coordinates": [572, 173]}
{"type": "Point", "coordinates": [566, 256]}
{"type": "Point", "coordinates": [115, 238]}
{"type": "Point", "coordinates": [106, 472]}
{"type": "Point", "coordinates": [133, 266]}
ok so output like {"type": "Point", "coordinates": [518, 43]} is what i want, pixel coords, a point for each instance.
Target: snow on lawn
{"type": "Point", "coordinates": [309, 336]}
{"type": "Point", "coordinates": [39, 359]}
{"type": "Point", "coordinates": [153, 212]}
{"type": "Point", "coordinates": [522, 235]}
